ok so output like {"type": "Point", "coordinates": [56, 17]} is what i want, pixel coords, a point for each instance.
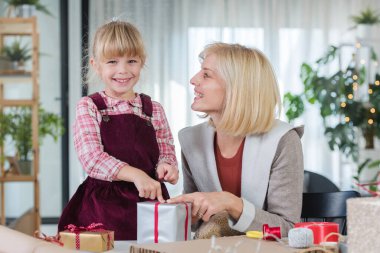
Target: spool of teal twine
{"type": "Point", "coordinates": [300, 238]}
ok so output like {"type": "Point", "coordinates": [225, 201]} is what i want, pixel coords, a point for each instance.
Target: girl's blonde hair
{"type": "Point", "coordinates": [118, 38]}
{"type": "Point", "coordinates": [252, 95]}
{"type": "Point", "coordinates": [113, 39]}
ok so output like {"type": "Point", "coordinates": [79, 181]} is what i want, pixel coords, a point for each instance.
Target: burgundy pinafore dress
{"type": "Point", "coordinates": [130, 139]}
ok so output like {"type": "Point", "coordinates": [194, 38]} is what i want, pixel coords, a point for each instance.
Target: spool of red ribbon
{"type": "Point", "coordinates": [271, 233]}
{"type": "Point", "coordinates": [321, 230]}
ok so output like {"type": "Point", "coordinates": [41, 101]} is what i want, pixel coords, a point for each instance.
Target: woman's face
{"type": "Point", "coordinates": [209, 88]}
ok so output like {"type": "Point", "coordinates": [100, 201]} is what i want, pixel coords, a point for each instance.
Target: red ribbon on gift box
{"type": "Point", "coordinates": [156, 221]}
{"type": "Point", "coordinates": [321, 230]}
{"type": "Point", "coordinates": [93, 227]}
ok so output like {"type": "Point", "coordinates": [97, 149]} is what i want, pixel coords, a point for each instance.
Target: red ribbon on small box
{"type": "Point", "coordinates": [321, 230]}
{"type": "Point", "coordinates": [156, 221]}
{"type": "Point", "coordinates": [93, 227]}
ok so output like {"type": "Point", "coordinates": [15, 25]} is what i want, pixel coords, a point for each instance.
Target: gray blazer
{"type": "Point", "coordinates": [272, 174]}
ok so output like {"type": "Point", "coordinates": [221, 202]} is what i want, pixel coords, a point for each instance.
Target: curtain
{"type": "Point", "coordinates": [289, 32]}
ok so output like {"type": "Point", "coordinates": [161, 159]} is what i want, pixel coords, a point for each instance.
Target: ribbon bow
{"type": "Point", "coordinates": [93, 227]}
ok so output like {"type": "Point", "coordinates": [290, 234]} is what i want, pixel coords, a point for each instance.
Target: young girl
{"type": "Point", "coordinates": [122, 139]}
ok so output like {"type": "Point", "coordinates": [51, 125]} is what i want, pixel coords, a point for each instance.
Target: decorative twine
{"type": "Point", "coordinates": [218, 249]}
{"type": "Point", "coordinates": [312, 249]}
{"type": "Point", "coordinates": [214, 248]}
{"type": "Point", "coordinates": [323, 248]}
{"type": "Point", "coordinates": [52, 239]}
{"type": "Point", "coordinates": [373, 193]}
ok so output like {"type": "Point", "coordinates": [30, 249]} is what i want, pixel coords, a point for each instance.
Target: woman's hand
{"type": "Point", "coordinates": [146, 186]}
{"type": "Point", "coordinates": [206, 204]}
{"type": "Point", "coordinates": [167, 173]}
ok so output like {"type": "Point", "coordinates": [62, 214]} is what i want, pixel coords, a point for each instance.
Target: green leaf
{"type": "Point", "coordinates": [374, 164]}
{"type": "Point", "coordinates": [363, 165]}
{"type": "Point", "coordinates": [293, 105]}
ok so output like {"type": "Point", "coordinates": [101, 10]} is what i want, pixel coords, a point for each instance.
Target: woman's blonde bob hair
{"type": "Point", "coordinates": [118, 38]}
{"type": "Point", "coordinates": [252, 98]}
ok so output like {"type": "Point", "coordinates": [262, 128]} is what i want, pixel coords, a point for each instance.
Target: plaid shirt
{"type": "Point", "coordinates": [99, 164]}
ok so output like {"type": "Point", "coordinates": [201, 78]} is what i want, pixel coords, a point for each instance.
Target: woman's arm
{"type": "Point", "coordinates": [283, 203]}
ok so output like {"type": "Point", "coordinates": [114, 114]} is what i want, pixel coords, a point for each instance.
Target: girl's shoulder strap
{"type": "Point", "coordinates": [147, 106]}
{"type": "Point", "coordinates": [98, 101]}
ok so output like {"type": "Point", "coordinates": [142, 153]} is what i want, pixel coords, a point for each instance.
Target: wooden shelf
{"type": "Point", "coordinates": [15, 79]}
{"type": "Point", "coordinates": [8, 79]}
{"type": "Point", "coordinates": [15, 72]}
{"type": "Point", "coordinates": [18, 178]}
{"type": "Point", "coordinates": [18, 102]}
{"type": "Point", "coordinates": [17, 26]}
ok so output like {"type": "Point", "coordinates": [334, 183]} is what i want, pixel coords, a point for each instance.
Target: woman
{"type": "Point", "coordinates": [243, 161]}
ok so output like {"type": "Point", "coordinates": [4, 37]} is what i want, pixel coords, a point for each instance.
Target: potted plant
{"type": "Point", "coordinates": [17, 53]}
{"type": "Point", "coordinates": [18, 124]}
{"type": "Point", "coordinates": [365, 22]}
{"type": "Point", "coordinates": [342, 115]}
{"type": "Point", "coordinates": [25, 8]}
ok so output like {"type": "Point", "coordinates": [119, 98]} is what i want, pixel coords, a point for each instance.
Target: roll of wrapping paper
{"type": "Point", "coordinates": [321, 230]}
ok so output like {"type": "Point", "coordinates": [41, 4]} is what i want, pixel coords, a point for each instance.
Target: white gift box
{"type": "Point", "coordinates": [363, 225]}
{"type": "Point", "coordinates": [162, 222]}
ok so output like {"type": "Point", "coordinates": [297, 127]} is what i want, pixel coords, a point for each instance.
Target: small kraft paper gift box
{"type": "Point", "coordinates": [93, 238]}
{"type": "Point", "coordinates": [363, 225]}
{"type": "Point", "coordinates": [161, 222]}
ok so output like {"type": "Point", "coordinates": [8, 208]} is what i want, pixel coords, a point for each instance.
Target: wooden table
{"type": "Point", "coordinates": [242, 243]}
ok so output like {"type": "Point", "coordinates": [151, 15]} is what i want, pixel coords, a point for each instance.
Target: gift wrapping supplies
{"type": "Point", "coordinates": [162, 222]}
{"type": "Point", "coordinates": [363, 225]}
{"type": "Point", "coordinates": [321, 230]}
{"type": "Point", "coordinates": [93, 238]}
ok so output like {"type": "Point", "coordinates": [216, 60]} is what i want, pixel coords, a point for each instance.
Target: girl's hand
{"type": "Point", "coordinates": [206, 204]}
{"type": "Point", "coordinates": [146, 186]}
{"type": "Point", "coordinates": [168, 173]}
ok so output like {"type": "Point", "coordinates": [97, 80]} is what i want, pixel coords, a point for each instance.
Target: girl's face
{"type": "Point", "coordinates": [209, 89]}
{"type": "Point", "coordinates": [120, 75]}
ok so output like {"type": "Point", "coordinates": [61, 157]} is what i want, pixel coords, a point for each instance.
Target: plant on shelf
{"type": "Point", "coordinates": [365, 24]}
{"type": "Point", "coordinates": [19, 128]}
{"type": "Point", "coordinates": [17, 53]}
{"type": "Point", "coordinates": [367, 16]}
{"type": "Point", "coordinates": [5, 127]}
{"type": "Point", "coordinates": [14, 4]}
{"type": "Point", "coordinates": [342, 113]}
